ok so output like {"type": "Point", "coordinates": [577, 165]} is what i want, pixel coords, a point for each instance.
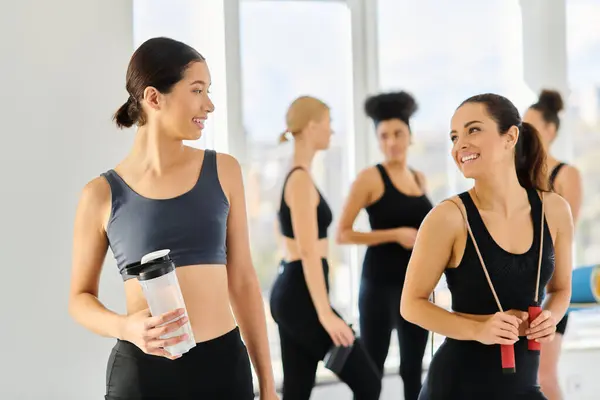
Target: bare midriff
{"type": "Point", "coordinates": [292, 251]}
{"type": "Point", "coordinates": [206, 296]}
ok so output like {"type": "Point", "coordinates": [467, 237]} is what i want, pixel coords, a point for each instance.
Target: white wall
{"type": "Point", "coordinates": [62, 75]}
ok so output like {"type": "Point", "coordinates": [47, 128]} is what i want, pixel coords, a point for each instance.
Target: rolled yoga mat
{"type": "Point", "coordinates": [585, 288]}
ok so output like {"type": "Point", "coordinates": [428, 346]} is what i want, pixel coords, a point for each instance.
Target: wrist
{"type": "Point", "coordinates": [120, 321]}
{"type": "Point", "coordinates": [324, 313]}
{"type": "Point", "coordinates": [266, 385]}
{"type": "Point", "coordinates": [473, 329]}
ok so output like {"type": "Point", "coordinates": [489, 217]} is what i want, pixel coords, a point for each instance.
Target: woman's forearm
{"type": "Point", "coordinates": [312, 267]}
{"type": "Point", "coordinates": [248, 307]}
{"type": "Point", "coordinates": [371, 238]}
{"type": "Point", "coordinates": [87, 310]}
{"type": "Point", "coordinates": [557, 303]}
{"type": "Point", "coordinates": [433, 318]}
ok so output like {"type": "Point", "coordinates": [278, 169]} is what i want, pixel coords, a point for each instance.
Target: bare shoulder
{"type": "Point", "coordinates": [569, 172]}
{"type": "Point", "coordinates": [95, 202]}
{"type": "Point", "coordinates": [368, 177]}
{"type": "Point", "coordinates": [447, 215]}
{"type": "Point", "coordinates": [229, 173]}
{"type": "Point", "coordinates": [228, 163]}
{"type": "Point", "coordinates": [558, 210]}
{"type": "Point", "coordinates": [96, 193]}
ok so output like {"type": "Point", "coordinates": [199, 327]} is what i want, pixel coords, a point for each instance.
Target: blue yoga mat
{"type": "Point", "coordinates": [585, 286]}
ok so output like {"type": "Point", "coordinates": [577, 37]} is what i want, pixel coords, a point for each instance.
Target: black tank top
{"type": "Point", "coordinates": [554, 174]}
{"type": "Point", "coordinates": [513, 275]}
{"type": "Point", "coordinates": [387, 262]}
{"type": "Point", "coordinates": [324, 214]}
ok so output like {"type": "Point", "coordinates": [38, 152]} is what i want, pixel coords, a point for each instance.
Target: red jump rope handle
{"type": "Point", "coordinates": [534, 312]}
{"type": "Point", "coordinates": [507, 352]}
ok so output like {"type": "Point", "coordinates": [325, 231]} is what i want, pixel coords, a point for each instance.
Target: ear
{"type": "Point", "coordinates": [152, 97]}
{"type": "Point", "coordinates": [511, 137]}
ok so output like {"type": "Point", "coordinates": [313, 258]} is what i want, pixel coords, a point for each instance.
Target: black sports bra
{"type": "Point", "coordinates": [324, 214]}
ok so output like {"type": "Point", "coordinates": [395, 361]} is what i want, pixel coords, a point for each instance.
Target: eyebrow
{"type": "Point", "coordinates": [199, 82]}
{"type": "Point", "coordinates": [467, 125]}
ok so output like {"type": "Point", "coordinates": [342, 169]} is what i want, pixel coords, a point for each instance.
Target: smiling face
{"type": "Point", "coordinates": [477, 145]}
{"type": "Point", "coordinates": [393, 136]}
{"type": "Point", "coordinates": [182, 112]}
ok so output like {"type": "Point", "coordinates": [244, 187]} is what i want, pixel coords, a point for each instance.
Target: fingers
{"type": "Point", "coordinates": [507, 332]}
{"type": "Point", "coordinates": [165, 329]}
{"type": "Point", "coordinates": [547, 338]}
{"type": "Point", "coordinates": [545, 329]}
{"type": "Point", "coordinates": [544, 316]}
{"type": "Point", "coordinates": [347, 336]}
{"type": "Point", "coordinates": [510, 319]}
{"type": "Point", "coordinates": [152, 345]}
{"type": "Point", "coordinates": [163, 318]}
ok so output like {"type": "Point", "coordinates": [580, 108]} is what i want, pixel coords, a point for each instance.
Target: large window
{"type": "Point", "coordinates": [444, 52]}
{"type": "Point", "coordinates": [290, 49]}
{"type": "Point", "coordinates": [583, 118]}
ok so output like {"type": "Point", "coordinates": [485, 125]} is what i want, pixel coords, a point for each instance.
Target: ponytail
{"type": "Point", "coordinates": [128, 114]}
{"type": "Point", "coordinates": [530, 159]}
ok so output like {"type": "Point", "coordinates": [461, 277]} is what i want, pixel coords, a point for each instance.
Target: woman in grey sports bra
{"type": "Point", "coordinates": [165, 195]}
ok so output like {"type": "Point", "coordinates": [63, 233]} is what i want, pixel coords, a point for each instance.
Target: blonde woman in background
{"type": "Point", "coordinates": [308, 325]}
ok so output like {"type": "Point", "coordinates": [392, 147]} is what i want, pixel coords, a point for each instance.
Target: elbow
{"type": "Point", "coordinates": [343, 236]}
{"type": "Point", "coordinates": [72, 306]}
{"type": "Point", "coordinates": [407, 309]}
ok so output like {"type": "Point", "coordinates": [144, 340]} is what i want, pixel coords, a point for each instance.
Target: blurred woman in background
{"type": "Point", "coordinates": [308, 325]}
{"type": "Point", "coordinates": [565, 180]}
{"type": "Point", "coordinates": [394, 197]}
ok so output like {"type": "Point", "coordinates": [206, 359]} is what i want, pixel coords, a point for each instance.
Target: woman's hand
{"type": "Point", "coordinates": [523, 316]}
{"type": "Point", "coordinates": [543, 328]}
{"type": "Point", "coordinates": [341, 334]}
{"type": "Point", "coordinates": [500, 328]}
{"type": "Point", "coordinates": [406, 237]}
{"type": "Point", "coordinates": [145, 331]}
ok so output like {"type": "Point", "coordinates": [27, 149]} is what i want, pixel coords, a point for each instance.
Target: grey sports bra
{"type": "Point", "coordinates": [193, 225]}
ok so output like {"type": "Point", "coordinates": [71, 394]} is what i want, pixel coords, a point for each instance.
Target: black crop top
{"type": "Point", "coordinates": [324, 214]}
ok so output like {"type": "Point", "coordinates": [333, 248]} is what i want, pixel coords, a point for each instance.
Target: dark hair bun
{"type": "Point", "coordinates": [551, 100]}
{"type": "Point", "coordinates": [386, 106]}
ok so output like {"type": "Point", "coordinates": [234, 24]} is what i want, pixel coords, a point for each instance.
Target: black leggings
{"type": "Point", "coordinates": [304, 341]}
{"type": "Point", "coordinates": [379, 307]}
{"type": "Point", "coordinates": [216, 369]}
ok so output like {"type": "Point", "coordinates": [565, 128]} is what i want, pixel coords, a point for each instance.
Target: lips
{"type": "Point", "coordinates": [199, 122]}
{"type": "Point", "coordinates": [466, 158]}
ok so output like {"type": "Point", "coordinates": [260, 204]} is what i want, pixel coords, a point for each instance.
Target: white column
{"type": "Point", "coordinates": [236, 133]}
{"type": "Point", "coordinates": [545, 57]}
{"type": "Point", "coordinates": [62, 79]}
{"type": "Point", "coordinates": [365, 53]}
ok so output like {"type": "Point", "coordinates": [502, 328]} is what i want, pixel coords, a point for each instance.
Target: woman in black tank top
{"type": "Point", "coordinates": [500, 245]}
{"type": "Point", "coordinates": [394, 198]}
{"type": "Point", "coordinates": [309, 327]}
{"type": "Point", "coordinates": [565, 180]}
